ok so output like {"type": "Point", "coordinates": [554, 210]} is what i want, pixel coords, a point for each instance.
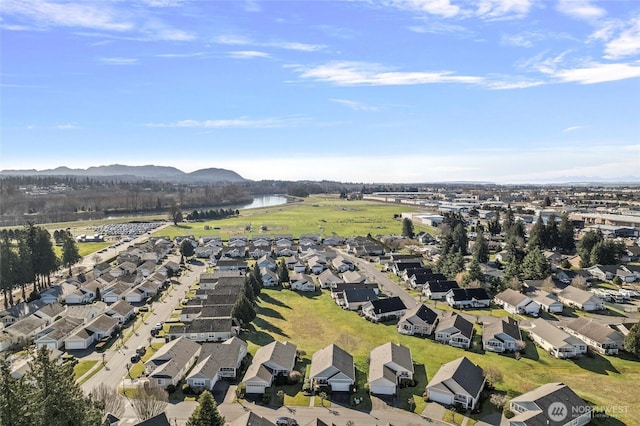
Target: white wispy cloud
{"type": "Point", "coordinates": [581, 9]}
{"type": "Point", "coordinates": [595, 72]}
{"type": "Point", "coordinates": [442, 8]}
{"type": "Point", "coordinates": [119, 61]}
{"type": "Point", "coordinates": [252, 6]}
{"type": "Point", "coordinates": [572, 129]}
{"type": "Point", "coordinates": [503, 9]}
{"type": "Point", "coordinates": [248, 54]}
{"type": "Point", "coordinates": [262, 123]}
{"type": "Point", "coordinates": [100, 16]}
{"type": "Point", "coordinates": [180, 55]}
{"type": "Point", "coordinates": [239, 40]}
{"type": "Point", "coordinates": [355, 105]}
{"type": "Point", "coordinates": [66, 126]}
{"type": "Point", "coordinates": [626, 43]}
{"type": "Point", "coordinates": [346, 73]}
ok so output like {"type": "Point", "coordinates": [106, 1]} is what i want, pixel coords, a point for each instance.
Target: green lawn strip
{"type": "Point", "coordinates": [415, 392]}
{"type": "Point", "coordinates": [82, 367]}
{"type": "Point", "coordinates": [137, 369]}
{"type": "Point", "coordinates": [313, 321]}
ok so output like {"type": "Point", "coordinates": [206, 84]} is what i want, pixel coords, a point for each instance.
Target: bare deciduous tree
{"type": "Point", "coordinates": [548, 285]}
{"type": "Point", "coordinates": [149, 400]}
{"type": "Point", "coordinates": [579, 282]}
{"type": "Point", "coordinates": [515, 284]}
{"type": "Point", "coordinates": [499, 400]}
{"type": "Point", "coordinates": [493, 375]}
{"type": "Point", "coordinates": [108, 399]}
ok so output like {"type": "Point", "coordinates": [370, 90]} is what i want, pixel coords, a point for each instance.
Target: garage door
{"type": "Point", "coordinates": [383, 390]}
{"type": "Point", "coordinates": [253, 388]}
{"type": "Point", "coordinates": [340, 386]}
{"type": "Point", "coordinates": [75, 345]}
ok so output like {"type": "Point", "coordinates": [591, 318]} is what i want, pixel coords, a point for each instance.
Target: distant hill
{"type": "Point", "coordinates": [149, 172]}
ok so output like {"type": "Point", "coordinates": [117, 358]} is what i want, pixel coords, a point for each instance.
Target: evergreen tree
{"type": "Point", "coordinates": [186, 249]}
{"type": "Point", "coordinates": [70, 252]}
{"type": "Point", "coordinates": [537, 236]}
{"type": "Point", "coordinates": [14, 398]}
{"type": "Point", "coordinates": [566, 241]}
{"type": "Point", "coordinates": [255, 277]}
{"type": "Point", "coordinates": [509, 220]}
{"type": "Point", "coordinates": [56, 400]}
{"type": "Point", "coordinates": [8, 269]}
{"type": "Point", "coordinates": [493, 226]}
{"type": "Point", "coordinates": [535, 266]}
{"type": "Point", "coordinates": [632, 340]}
{"type": "Point", "coordinates": [513, 270]}
{"type": "Point", "coordinates": [248, 290]}
{"type": "Point", "coordinates": [585, 246]}
{"type": "Point", "coordinates": [206, 413]}
{"type": "Point", "coordinates": [552, 233]}
{"type": "Point", "coordinates": [283, 272]}
{"type": "Point", "coordinates": [481, 250]}
{"type": "Point", "coordinates": [474, 273]}
{"type": "Point", "coordinates": [243, 310]}
{"type": "Point", "coordinates": [407, 228]}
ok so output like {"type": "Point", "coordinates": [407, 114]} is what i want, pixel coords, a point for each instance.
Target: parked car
{"type": "Point", "coordinates": [141, 350]}
{"type": "Point", "coordinates": [286, 421]}
{"type": "Point", "coordinates": [135, 358]}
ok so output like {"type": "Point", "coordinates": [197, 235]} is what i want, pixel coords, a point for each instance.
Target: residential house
{"type": "Point", "coordinates": [82, 338]}
{"type": "Point", "coordinates": [457, 383]}
{"type": "Point", "coordinates": [232, 264]}
{"type": "Point", "coordinates": [603, 272]}
{"type": "Point", "coordinates": [267, 262]}
{"type": "Point", "coordinates": [270, 361]}
{"type": "Point", "coordinates": [217, 361]}
{"type": "Point", "coordinates": [420, 320]}
{"type": "Point", "coordinates": [390, 366]}
{"type": "Point", "coordinates": [328, 279]}
{"type": "Point", "coordinates": [190, 313]}
{"type": "Point", "coordinates": [437, 290]}
{"type": "Point", "coordinates": [269, 278]}
{"type": "Point", "coordinates": [302, 282]}
{"type": "Point", "coordinates": [599, 337]}
{"type": "Point", "coordinates": [207, 329]}
{"type": "Point", "coordinates": [516, 303]}
{"type": "Point", "coordinates": [135, 295]}
{"type": "Point", "coordinates": [51, 312]}
{"type": "Point", "coordinates": [207, 281]}
{"type": "Point", "coordinates": [575, 297]}
{"type": "Point", "coordinates": [342, 264]}
{"type": "Point", "coordinates": [384, 309]}
{"type": "Point", "coordinates": [548, 301]}
{"type": "Point", "coordinates": [54, 335]}
{"type": "Point", "coordinates": [332, 366]}
{"type": "Point", "coordinates": [501, 336]}
{"type": "Point", "coordinates": [354, 299]}
{"type": "Point", "coordinates": [417, 280]}
{"type": "Point", "coordinates": [539, 407]}
{"type": "Point", "coordinates": [172, 361]}
{"type": "Point", "coordinates": [26, 327]}
{"type": "Point", "coordinates": [157, 420]}
{"type": "Point", "coordinates": [556, 342]}
{"type": "Point", "coordinates": [454, 330]}
{"type": "Point", "coordinates": [461, 298]}
{"type": "Point", "coordinates": [353, 277]}
{"type": "Point", "coordinates": [251, 419]}
{"type": "Point", "coordinates": [122, 311]}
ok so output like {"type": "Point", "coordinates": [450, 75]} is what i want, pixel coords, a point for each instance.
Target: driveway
{"type": "Point", "coordinates": [219, 391]}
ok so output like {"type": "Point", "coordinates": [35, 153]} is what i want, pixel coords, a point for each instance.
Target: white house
{"type": "Point", "coordinates": [420, 320]}
{"type": "Point", "coordinates": [597, 336]}
{"type": "Point", "coordinates": [575, 297]}
{"type": "Point", "coordinates": [556, 342]}
{"type": "Point", "coordinates": [501, 336]}
{"type": "Point", "coordinates": [384, 309]}
{"type": "Point", "coordinates": [516, 303]}
{"type": "Point", "coordinates": [468, 298]}
{"type": "Point", "coordinates": [217, 361]}
{"type": "Point", "coordinates": [454, 330]}
{"type": "Point", "coordinates": [390, 365]}
{"type": "Point", "coordinates": [548, 301]}
{"type": "Point", "coordinates": [302, 282]}
{"type": "Point", "coordinates": [171, 362]}
{"type": "Point", "coordinates": [274, 359]}
{"type": "Point", "coordinates": [458, 383]}
{"type": "Point", "coordinates": [332, 366]}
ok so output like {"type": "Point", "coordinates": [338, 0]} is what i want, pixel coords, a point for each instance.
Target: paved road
{"type": "Point", "coordinates": [116, 360]}
{"type": "Point", "coordinates": [387, 285]}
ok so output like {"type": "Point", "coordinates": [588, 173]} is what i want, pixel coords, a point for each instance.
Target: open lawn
{"type": "Point", "coordinates": [325, 215]}
{"type": "Point", "coordinates": [81, 368]}
{"type": "Point", "coordinates": [85, 249]}
{"type": "Point", "coordinates": [312, 321]}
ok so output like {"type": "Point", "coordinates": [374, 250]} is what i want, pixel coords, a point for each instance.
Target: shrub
{"type": "Point", "coordinates": [186, 389]}
{"type": "Point", "coordinates": [294, 377]}
{"type": "Point", "coordinates": [171, 388]}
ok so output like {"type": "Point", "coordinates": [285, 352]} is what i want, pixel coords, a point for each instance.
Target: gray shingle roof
{"type": "Point", "coordinates": [421, 313]}
{"type": "Point", "coordinates": [335, 356]}
{"type": "Point", "coordinates": [459, 376]}
{"type": "Point", "coordinates": [383, 355]}
{"type": "Point", "coordinates": [456, 321]}
{"type": "Point", "coordinates": [542, 398]}
{"type": "Point", "coordinates": [595, 331]}
{"type": "Point", "coordinates": [510, 328]}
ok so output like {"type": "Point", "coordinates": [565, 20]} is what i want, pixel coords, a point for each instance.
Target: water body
{"type": "Point", "coordinates": [261, 201]}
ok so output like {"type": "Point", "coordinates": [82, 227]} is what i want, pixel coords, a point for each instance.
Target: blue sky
{"type": "Point", "coordinates": [506, 91]}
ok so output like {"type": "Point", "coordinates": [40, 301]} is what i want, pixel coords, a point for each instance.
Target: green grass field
{"type": "Point", "coordinates": [325, 215]}
{"type": "Point", "coordinates": [312, 321]}
{"type": "Point", "coordinates": [82, 367]}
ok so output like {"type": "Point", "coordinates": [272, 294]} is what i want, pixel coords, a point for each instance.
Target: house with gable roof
{"type": "Point", "coordinates": [458, 383]}
{"type": "Point", "coordinates": [516, 303]}
{"type": "Point", "coordinates": [390, 366]}
{"type": "Point", "coordinates": [171, 362]}
{"type": "Point", "coordinates": [501, 336]}
{"type": "Point", "coordinates": [454, 330]}
{"type": "Point", "coordinates": [384, 309]}
{"type": "Point", "coordinates": [217, 361]}
{"type": "Point", "coordinates": [420, 320]}
{"type": "Point", "coordinates": [599, 337]}
{"type": "Point", "coordinates": [535, 408]}
{"type": "Point", "coordinates": [270, 361]}
{"type": "Point", "coordinates": [332, 366]}
{"type": "Point", "coordinates": [556, 342]}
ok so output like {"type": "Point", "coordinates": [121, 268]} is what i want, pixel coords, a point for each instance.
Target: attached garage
{"type": "Point", "coordinates": [252, 387]}
{"type": "Point", "coordinates": [340, 385]}
{"type": "Point", "coordinates": [444, 398]}
{"type": "Point", "coordinates": [382, 387]}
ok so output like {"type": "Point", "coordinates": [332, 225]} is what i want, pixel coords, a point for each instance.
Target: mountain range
{"type": "Point", "coordinates": [148, 172]}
